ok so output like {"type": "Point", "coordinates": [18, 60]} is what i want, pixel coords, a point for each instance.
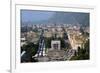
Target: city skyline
{"type": "Point", "coordinates": [54, 36]}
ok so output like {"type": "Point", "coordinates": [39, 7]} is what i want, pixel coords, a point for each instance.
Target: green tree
{"type": "Point", "coordinates": [83, 53]}
{"type": "Point", "coordinates": [30, 48]}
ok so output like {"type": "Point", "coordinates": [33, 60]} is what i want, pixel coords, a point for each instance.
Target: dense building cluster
{"type": "Point", "coordinates": [52, 42]}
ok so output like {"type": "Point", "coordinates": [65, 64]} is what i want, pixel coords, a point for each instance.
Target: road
{"type": "Point", "coordinates": [69, 53]}
{"type": "Point", "coordinates": [41, 48]}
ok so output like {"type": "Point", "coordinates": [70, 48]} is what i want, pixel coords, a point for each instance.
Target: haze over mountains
{"type": "Point", "coordinates": [73, 18]}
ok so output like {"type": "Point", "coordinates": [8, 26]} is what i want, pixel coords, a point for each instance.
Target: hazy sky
{"type": "Point", "coordinates": [32, 16]}
{"type": "Point", "coordinates": [36, 16]}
